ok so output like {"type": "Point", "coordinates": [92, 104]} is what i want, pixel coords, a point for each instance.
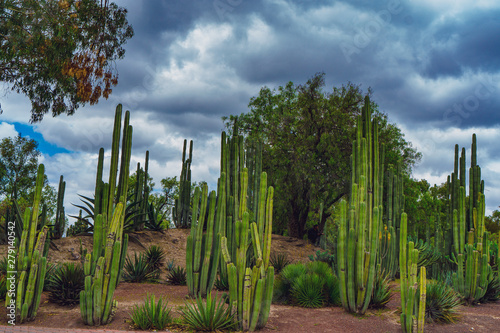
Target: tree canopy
{"type": "Point", "coordinates": [307, 135]}
{"type": "Point", "coordinates": [61, 54]}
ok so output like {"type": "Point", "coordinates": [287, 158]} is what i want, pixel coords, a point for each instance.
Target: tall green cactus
{"type": "Point", "coordinates": [203, 249]}
{"type": "Point", "coordinates": [251, 288]}
{"type": "Point", "coordinates": [408, 260]}
{"type": "Point", "coordinates": [471, 244]}
{"type": "Point", "coordinates": [60, 221]}
{"type": "Point", "coordinates": [389, 247]}
{"type": "Point", "coordinates": [103, 266]}
{"type": "Point", "coordinates": [31, 260]}
{"type": "Point", "coordinates": [181, 209]}
{"type": "Point", "coordinates": [360, 225]}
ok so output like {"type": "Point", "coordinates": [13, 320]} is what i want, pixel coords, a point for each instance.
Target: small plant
{"type": "Point", "coordinates": [4, 264]}
{"type": "Point", "coordinates": [177, 276]}
{"type": "Point", "coordinates": [381, 290]}
{"type": "Point", "coordinates": [208, 316]}
{"type": "Point", "coordinates": [307, 291]}
{"type": "Point", "coordinates": [170, 265]}
{"type": "Point", "coordinates": [492, 289]}
{"type": "Point", "coordinates": [442, 301]}
{"type": "Point", "coordinates": [221, 284]}
{"type": "Point", "coordinates": [332, 290]}
{"type": "Point", "coordinates": [279, 261]}
{"type": "Point", "coordinates": [49, 271]}
{"type": "Point", "coordinates": [65, 283]}
{"type": "Point", "coordinates": [137, 270]}
{"type": "Point", "coordinates": [155, 256]}
{"type": "Point", "coordinates": [324, 257]}
{"type": "Point", "coordinates": [151, 315]}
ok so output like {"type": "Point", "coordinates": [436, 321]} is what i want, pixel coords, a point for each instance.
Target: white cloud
{"type": "Point", "coordinates": [7, 130]}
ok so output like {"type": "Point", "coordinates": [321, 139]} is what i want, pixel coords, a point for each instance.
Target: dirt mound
{"type": "Point", "coordinates": [172, 241]}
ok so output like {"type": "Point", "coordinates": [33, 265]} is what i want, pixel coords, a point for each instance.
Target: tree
{"type": "Point", "coordinates": [61, 54]}
{"type": "Point", "coordinates": [307, 135]}
{"type": "Point", "coordinates": [492, 222]}
{"type": "Point", "coordinates": [19, 157]}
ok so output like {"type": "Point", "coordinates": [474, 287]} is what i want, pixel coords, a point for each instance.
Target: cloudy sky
{"type": "Point", "coordinates": [434, 67]}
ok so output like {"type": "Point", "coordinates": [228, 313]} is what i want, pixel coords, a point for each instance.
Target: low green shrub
{"type": "Point", "coordinates": [324, 257]}
{"type": "Point", "coordinates": [208, 316]}
{"type": "Point", "coordinates": [492, 290]}
{"type": "Point", "coordinates": [307, 291]}
{"type": "Point", "coordinates": [64, 284]}
{"type": "Point", "coordinates": [221, 284]}
{"type": "Point", "coordinates": [309, 285]}
{"type": "Point", "coordinates": [151, 315]}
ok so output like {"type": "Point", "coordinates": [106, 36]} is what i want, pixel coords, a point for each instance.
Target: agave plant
{"type": "Point", "coordinates": [138, 270]}
{"type": "Point", "coordinates": [208, 316]}
{"type": "Point", "coordinates": [332, 290]}
{"type": "Point", "coordinates": [221, 283]}
{"type": "Point", "coordinates": [151, 315]}
{"type": "Point", "coordinates": [381, 290]}
{"type": "Point", "coordinates": [441, 303]}
{"type": "Point", "coordinates": [155, 257]}
{"type": "Point", "coordinates": [65, 283]}
{"type": "Point", "coordinates": [279, 261]}
{"type": "Point", "coordinates": [177, 276]}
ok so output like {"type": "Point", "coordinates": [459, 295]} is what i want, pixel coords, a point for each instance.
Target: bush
{"type": "Point", "coordinates": [65, 283]}
{"type": "Point", "coordinates": [442, 301]}
{"type": "Point", "coordinates": [177, 276]}
{"type": "Point", "coordinates": [3, 286]}
{"type": "Point", "coordinates": [307, 291]}
{"type": "Point", "coordinates": [138, 270]}
{"type": "Point", "coordinates": [298, 282]}
{"type": "Point", "coordinates": [324, 257]}
{"type": "Point", "coordinates": [381, 290]}
{"type": "Point", "coordinates": [279, 261]}
{"type": "Point", "coordinates": [151, 315]}
{"type": "Point", "coordinates": [208, 316]}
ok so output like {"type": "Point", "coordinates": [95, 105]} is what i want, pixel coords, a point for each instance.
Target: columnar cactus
{"type": "Point", "coordinates": [471, 244]}
{"type": "Point", "coordinates": [408, 260]}
{"type": "Point", "coordinates": [31, 260]}
{"type": "Point", "coordinates": [60, 221]}
{"type": "Point", "coordinates": [251, 288]}
{"type": "Point", "coordinates": [203, 249]}
{"type": "Point", "coordinates": [180, 212]}
{"type": "Point", "coordinates": [103, 266]}
{"type": "Point", "coordinates": [390, 233]}
{"type": "Point", "coordinates": [360, 225]}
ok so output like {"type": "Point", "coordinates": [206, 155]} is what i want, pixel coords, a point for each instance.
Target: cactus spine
{"type": "Point", "coordinates": [31, 260]}
{"type": "Point", "coordinates": [102, 267]}
{"type": "Point", "coordinates": [251, 288]}
{"type": "Point", "coordinates": [359, 227]}
{"type": "Point", "coordinates": [181, 210]}
{"type": "Point", "coordinates": [203, 249]}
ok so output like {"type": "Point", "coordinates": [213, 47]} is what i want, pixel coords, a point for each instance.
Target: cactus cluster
{"type": "Point", "coordinates": [203, 249]}
{"type": "Point", "coordinates": [470, 240]}
{"type": "Point", "coordinates": [103, 266]}
{"type": "Point", "coordinates": [181, 209]}
{"type": "Point", "coordinates": [360, 225]}
{"type": "Point", "coordinates": [31, 259]}
{"type": "Point", "coordinates": [410, 283]}
{"type": "Point", "coordinates": [251, 288]}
